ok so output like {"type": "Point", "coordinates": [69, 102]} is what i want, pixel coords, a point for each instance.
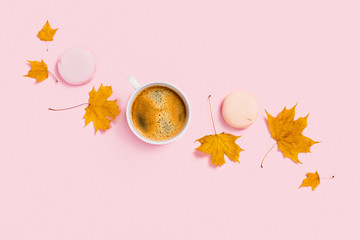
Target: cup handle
{"type": "Point", "coordinates": [133, 82]}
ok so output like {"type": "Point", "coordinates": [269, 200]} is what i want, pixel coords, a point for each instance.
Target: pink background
{"type": "Point", "coordinates": [58, 181]}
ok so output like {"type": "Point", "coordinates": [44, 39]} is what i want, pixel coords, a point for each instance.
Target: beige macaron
{"type": "Point", "coordinates": [240, 109]}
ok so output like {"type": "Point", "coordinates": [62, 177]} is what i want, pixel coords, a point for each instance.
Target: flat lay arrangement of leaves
{"type": "Point", "coordinates": [284, 129]}
{"type": "Point", "coordinates": [99, 110]}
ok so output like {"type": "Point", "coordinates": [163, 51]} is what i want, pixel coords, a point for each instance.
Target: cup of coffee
{"type": "Point", "coordinates": [157, 112]}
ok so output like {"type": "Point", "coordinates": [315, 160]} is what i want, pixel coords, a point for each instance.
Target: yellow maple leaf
{"type": "Point", "coordinates": [219, 145]}
{"type": "Point", "coordinates": [312, 180]}
{"type": "Point", "coordinates": [288, 133]}
{"type": "Point", "coordinates": [100, 111]}
{"type": "Point", "coordinates": [39, 70]}
{"type": "Point", "coordinates": [47, 33]}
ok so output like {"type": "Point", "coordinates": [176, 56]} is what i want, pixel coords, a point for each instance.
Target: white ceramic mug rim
{"type": "Point", "coordinates": [131, 100]}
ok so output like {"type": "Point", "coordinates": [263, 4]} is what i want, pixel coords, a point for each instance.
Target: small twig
{"type": "Point", "coordinates": [62, 109]}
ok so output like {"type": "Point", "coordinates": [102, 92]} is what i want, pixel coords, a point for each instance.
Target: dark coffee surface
{"type": "Point", "coordinates": [158, 113]}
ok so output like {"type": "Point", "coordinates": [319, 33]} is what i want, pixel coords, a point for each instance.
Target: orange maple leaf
{"type": "Point", "coordinates": [288, 134]}
{"type": "Point", "coordinates": [312, 180]}
{"type": "Point", "coordinates": [101, 111]}
{"type": "Point", "coordinates": [39, 71]}
{"type": "Point", "coordinates": [218, 145]}
{"type": "Point", "coordinates": [47, 33]}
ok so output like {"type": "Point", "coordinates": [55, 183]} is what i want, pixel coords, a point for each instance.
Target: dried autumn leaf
{"type": "Point", "coordinates": [39, 70]}
{"type": "Point", "coordinates": [288, 133]}
{"type": "Point", "coordinates": [100, 111]}
{"type": "Point", "coordinates": [219, 145]}
{"type": "Point", "coordinates": [47, 33]}
{"type": "Point", "coordinates": [312, 180]}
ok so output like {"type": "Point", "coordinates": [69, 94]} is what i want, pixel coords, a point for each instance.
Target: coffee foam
{"type": "Point", "coordinates": [158, 113]}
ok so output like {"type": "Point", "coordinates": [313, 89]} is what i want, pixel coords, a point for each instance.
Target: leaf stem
{"type": "Point", "coordinates": [267, 154]}
{"type": "Point", "coordinates": [212, 119]}
{"type": "Point", "coordinates": [328, 178]}
{"type": "Point", "coordinates": [62, 109]}
{"type": "Point", "coordinates": [53, 76]}
{"type": "Point", "coordinates": [47, 48]}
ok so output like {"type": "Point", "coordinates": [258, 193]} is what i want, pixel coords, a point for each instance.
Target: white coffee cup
{"type": "Point", "coordinates": [139, 89]}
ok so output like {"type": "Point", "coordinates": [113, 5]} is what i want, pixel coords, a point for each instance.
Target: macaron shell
{"type": "Point", "coordinates": [76, 66]}
{"type": "Point", "coordinates": [240, 109]}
